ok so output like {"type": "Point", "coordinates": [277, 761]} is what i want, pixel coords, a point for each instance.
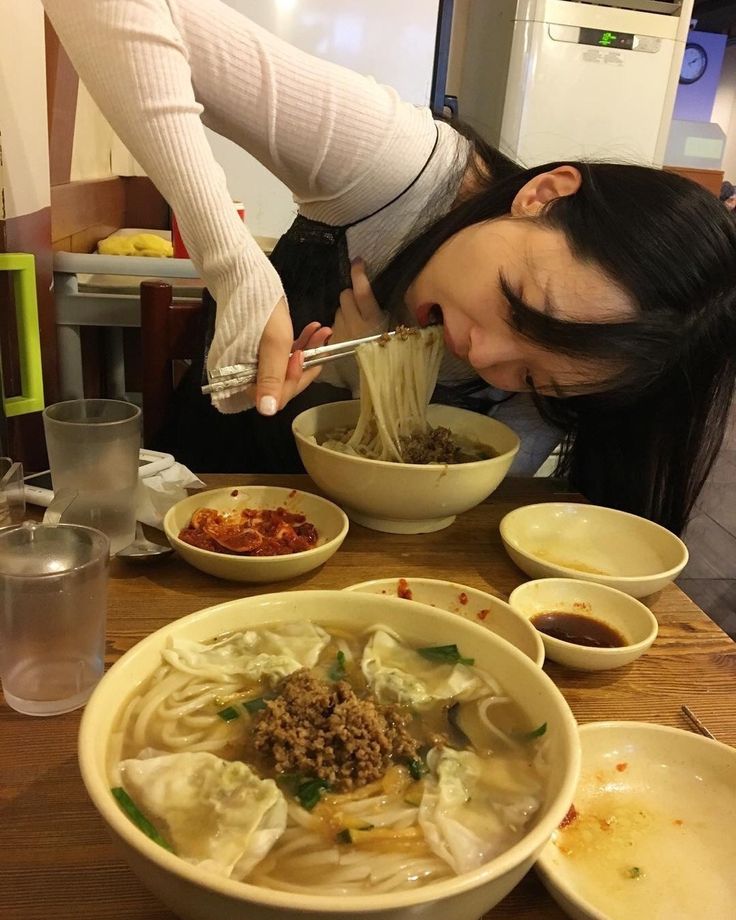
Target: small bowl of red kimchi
{"type": "Point", "coordinates": [255, 533]}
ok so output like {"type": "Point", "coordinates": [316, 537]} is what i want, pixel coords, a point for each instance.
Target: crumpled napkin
{"type": "Point", "coordinates": [159, 492]}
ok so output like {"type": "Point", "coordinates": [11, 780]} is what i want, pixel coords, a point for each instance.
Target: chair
{"type": "Point", "coordinates": [170, 331]}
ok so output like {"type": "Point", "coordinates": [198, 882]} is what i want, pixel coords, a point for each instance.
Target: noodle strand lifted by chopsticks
{"type": "Point", "coordinates": [397, 379]}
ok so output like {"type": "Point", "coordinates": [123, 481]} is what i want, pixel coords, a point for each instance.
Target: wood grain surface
{"type": "Point", "coordinates": [55, 857]}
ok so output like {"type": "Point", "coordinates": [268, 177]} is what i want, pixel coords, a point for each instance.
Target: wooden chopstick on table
{"type": "Point", "coordinates": [696, 723]}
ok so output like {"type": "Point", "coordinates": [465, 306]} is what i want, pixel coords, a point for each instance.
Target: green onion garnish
{"type": "Point", "coordinates": [310, 792]}
{"type": "Point", "coordinates": [307, 790]}
{"type": "Point", "coordinates": [535, 733]}
{"type": "Point", "coordinates": [250, 706]}
{"type": "Point", "coordinates": [138, 818]}
{"type": "Point", "coordinates": [337, 671]}
{"type": "Point", "coordinates": [255, 705]}
{"type": "Point", "coordinates": [228, 714]}
{"type": "Point", "coordinates": [417, 768]}
{"type": "Point", "coordinates": [447, 654]}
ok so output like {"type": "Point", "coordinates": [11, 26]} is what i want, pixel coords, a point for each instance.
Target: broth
{"type": "Point", "coordinates": [338, 826]}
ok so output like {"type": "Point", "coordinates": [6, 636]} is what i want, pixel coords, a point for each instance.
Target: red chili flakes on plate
{"type": "Point", "coordinates": [250, 532]}
{"type": "Point", "coordinates": [463, 598]}
{"type": "Point", "coordinates": [292, 494]}
{"type": "Point", "coordinates": [482, 614]}
{"type": "Point", "coordinates": [403, 590]}
{"type": "Point", "coordinates": [621, 767]}
{"type": "Point", "coordinates": [234, 493]}
{"type": "Point", "coordinates": [569, 817]}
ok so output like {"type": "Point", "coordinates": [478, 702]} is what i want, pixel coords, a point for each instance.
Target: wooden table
{"type": "Point", "coordinates": [55, 857]}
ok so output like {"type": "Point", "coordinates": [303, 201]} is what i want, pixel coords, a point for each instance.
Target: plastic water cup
{"type": "Point", "coordinates": [53, 608]}
{"type": "Point", "coordinates": [93, 447]}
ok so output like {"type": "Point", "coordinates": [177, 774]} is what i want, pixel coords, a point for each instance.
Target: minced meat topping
{"type": "Point", "coordinates": [323, 729]}
{"type": "Point", "coordinates": [437, 445]}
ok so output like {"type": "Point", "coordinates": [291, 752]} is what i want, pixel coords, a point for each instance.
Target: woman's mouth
{"type": "Point", "coordinates": [429, 314]}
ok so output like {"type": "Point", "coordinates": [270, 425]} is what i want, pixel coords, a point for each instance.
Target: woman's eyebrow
{"type": "Point", "coordinates": [518, 302]}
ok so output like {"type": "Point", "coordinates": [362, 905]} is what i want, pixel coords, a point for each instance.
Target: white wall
{"type": "Point", "coordinates": [23, 131]}
{"type": "Point", "coordinates": [392, 40]}
{"type": "Point", "coordinates": [97, 152]}
{"type": "Point", "coordinates": [724, 111]}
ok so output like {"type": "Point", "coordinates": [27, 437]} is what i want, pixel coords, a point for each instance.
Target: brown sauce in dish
{"type": "Point", "coordinates": [578, 629]}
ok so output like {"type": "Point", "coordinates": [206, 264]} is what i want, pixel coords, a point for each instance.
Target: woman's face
{"type": "Point", "coordinates": [461, 284]}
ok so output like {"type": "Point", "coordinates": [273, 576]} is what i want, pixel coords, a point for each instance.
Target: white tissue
{"type": "Point", "coordinates": [159, 492]}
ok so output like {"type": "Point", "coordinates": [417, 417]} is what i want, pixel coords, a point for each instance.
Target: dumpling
{"type": "Point", "coordinates": [471, 812]}
{"type": "Point", "coordinates": [268, 653]}
{"type": "Point", "coordinates": [398, 674]}
{"type": "Point", "coordinates": [215, 813]}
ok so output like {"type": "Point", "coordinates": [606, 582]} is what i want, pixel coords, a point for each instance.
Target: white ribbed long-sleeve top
{"type": "Point", "coordinates": [343, 144]}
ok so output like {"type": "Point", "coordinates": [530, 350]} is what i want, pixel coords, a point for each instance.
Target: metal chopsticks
{"type": "Point", "coordinates": [239, 375]}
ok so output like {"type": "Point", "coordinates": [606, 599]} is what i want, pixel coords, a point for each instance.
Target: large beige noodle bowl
{"type": "Point", "coordinates": [403, 497]}
{"type": "Point", "coordinates": [196, 894]}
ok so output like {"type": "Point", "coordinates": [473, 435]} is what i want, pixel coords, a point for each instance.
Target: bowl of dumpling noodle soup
{"type": "Point", "coordinates": [323, 754]}
{"type": "Point", "coordinates": [392, 461]}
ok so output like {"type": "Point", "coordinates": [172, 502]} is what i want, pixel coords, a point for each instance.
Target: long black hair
{"type": "Point", "coordinates": [646, 444]}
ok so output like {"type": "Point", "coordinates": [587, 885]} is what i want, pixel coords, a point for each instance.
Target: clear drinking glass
{"type": "Point", "coordinates": [93, 447]}
{"type": "Point", "coordinates": [53, 608]}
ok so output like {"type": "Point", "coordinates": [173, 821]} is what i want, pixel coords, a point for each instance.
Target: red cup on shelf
{"type": "Point", "coordinates": [180, 250]}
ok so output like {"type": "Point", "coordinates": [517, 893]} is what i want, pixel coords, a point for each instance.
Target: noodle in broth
{"type": "Point", "coordinates": [200, 721]}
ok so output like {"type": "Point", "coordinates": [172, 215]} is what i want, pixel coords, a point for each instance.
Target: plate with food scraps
{"type": "Point", "coordinates": [650, 834]}
{"type": "Point", "coordinates": [471, 603]}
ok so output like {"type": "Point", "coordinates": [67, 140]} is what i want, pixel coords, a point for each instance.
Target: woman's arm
{"type": "Point", "coordinates": [157, 68]}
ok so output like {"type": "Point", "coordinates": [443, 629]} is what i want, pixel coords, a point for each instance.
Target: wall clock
{"type": "Point", "coordinates": [694, 63]}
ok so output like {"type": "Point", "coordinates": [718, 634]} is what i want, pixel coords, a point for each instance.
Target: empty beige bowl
{"type": "Point", "coordinates": [629, 618]}
{"type": "Point", "coordinates": [477, 606]}
{"type": "Point", "coordinates": [330, 522]}
{"type": "Point", "coordinates": [592, 543]}
{"type": "Point", "coordinates": [653, 832]}
{"type": "Point", "coordinates": [403, 497]}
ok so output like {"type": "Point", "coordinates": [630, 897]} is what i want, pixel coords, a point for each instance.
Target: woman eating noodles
{"type": "Point", "coordinates": [605, 292]}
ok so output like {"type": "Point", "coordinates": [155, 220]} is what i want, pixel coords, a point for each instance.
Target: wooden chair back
{"type": "Point", "coordinates": [171, 330]}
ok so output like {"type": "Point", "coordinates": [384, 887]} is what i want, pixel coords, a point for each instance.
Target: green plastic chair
{"type": "Point", "coordinates": [22, 265]}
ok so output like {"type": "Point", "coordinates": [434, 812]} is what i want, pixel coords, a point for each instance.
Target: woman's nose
{"type": "Point", "coordinates": [488, 349]}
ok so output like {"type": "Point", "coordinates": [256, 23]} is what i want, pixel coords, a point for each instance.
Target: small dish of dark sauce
{"type": "Point", "coordinates": [578, 628]}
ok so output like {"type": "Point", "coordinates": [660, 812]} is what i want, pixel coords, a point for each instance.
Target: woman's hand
{"type": "Point", "coordinates": [359, 314]}
{"type": "Point", "coordinates": [281, 377]}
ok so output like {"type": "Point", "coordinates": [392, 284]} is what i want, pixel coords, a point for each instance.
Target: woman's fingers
{"type": "Point", "coordinates": [365, 303]}
{"type": "Point", "coordinates": [303, 341]}
{"type": "Point", "coordinates": [280, 374]}
{"type": "Point", "coordinates": [273, 358]}
{"type": "Point", "coordinates": [359, 314]}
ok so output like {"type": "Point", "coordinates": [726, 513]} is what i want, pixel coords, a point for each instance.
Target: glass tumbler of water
{"type": "Point", "coordinates": [53, 608]}
{"type": "Point", "coordinates": [93, 447]}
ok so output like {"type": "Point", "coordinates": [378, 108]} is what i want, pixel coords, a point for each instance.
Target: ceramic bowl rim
{"type": "Point", "coordinates": [670, 573]}
{"type": "Point", "coordinates": [550, 642]}
{"type": "Point", "coordinates": [538, 660]}
{"type": "Point", "coordinates": [249, 560]}
{"type": "Point", "coordinates": [97, 788]}
{"type": "Point", "coordinates": [543, 865]}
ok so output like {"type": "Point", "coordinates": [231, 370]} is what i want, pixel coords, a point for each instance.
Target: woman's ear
{"type": "Point", "coordinates": [558, 182]}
